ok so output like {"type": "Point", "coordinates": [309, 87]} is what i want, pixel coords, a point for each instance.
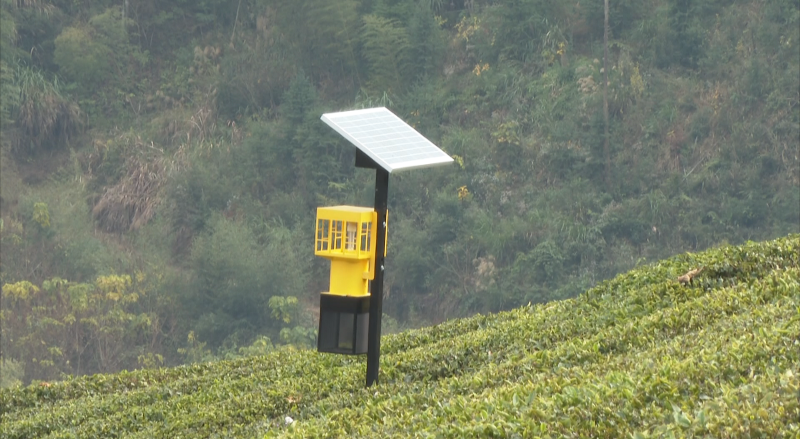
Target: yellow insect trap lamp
{"type": "Point", "coordinates": [350, 313]}
{"type": "Point", "coordinates": [346, 235]}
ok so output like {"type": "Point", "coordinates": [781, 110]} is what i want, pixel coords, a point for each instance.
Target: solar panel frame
{"type": "Point", "coordinates": [386, 139]}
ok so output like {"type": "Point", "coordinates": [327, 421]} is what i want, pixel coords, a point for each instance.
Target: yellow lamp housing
{"type": "Point", "coordinates": [347, 236]}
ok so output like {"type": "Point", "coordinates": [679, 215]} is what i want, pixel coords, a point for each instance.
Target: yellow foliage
{"type": "Point", "coordinates": [41, 215]}
{"type": "Point", "coordinates": [114, 286]}
{"type": "Point", "coordinates": [20, 290]}
{"type": "Point", "coordinates": [463, 193]}
{"type": "Point", "coordinates": [480, 68]}
{"type": "Point", "coordinates": [466, 27]}
{"type": "Point", "coordinates": [69, 315]}
{"type": "Point", "coordinates": [507, 133]}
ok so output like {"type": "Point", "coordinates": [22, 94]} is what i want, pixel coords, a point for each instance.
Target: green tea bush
{"type": "Point", "coordinates": [640, 355]}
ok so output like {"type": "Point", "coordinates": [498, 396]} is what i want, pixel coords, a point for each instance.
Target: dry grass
{"type": "Point", "coordinates": [132, 202]}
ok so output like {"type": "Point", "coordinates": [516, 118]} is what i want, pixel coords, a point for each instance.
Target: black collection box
{"type": "Point", "coordinates": [343, 324]}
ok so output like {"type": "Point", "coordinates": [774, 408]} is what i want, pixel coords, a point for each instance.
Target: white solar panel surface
{"type": "Point", "coordinates": [386, 139]}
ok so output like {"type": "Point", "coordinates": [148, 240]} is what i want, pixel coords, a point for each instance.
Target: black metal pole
{"type": "Point", "coordinates": [376, 290]}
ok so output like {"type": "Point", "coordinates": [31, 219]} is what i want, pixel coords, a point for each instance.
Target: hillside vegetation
{"type": "Point", "coordinates": [641, 355]}
{"type": "Point", "coordinates": [161, 160]}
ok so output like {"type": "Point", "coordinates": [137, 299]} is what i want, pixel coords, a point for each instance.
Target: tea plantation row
{"type": "Point", "coordinates": [642, 355]}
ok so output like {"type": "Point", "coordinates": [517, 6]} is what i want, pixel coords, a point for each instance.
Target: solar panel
{"type": "Point", "coordinates": [386, 139]}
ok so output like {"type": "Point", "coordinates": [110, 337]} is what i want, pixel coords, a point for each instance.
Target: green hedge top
{"type": "Point", "coordinates": [641, 355]}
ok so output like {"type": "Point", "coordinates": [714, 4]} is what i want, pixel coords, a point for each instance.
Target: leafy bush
{"type": "Point", "coordinates": [193, 195]}
{"type": "Point", "coordinates": [238, 281]}
{"type": "Point", "coordinates": [99, 58]}
{"type": "Point", "coordinates": [81, 58]}
{"type": "Point", "coordinates": [80, 327]}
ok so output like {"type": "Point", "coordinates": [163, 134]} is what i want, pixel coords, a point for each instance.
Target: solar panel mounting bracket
{"type": "Point", "coordinates": [365, 161]}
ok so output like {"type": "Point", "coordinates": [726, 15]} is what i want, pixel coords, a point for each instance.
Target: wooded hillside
{"type": "Point", "coordinates": [162, 160]}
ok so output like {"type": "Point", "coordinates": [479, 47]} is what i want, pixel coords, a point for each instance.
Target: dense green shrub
{"type": "Point", "coordinates": [236, 277]}
{"type": "Point", "coordinates": [81, 58]}
{"type": "Point", "coordinates": [196, 193]}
